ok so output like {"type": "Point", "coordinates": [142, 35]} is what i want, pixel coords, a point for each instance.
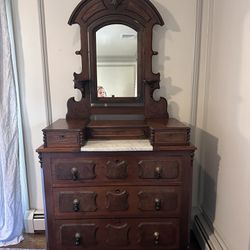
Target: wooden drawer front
{"type": "Point", "coordinates": [62, 139]}
{"type": "Point", "coordinates": [117, 201]}
{"type": "Point", "coordinates": [161, 200]}
{"type": "Point", "coordinates": [123, 169]}
{"type": "Point", "coordinates": [119, 234]}
{"type": "Point", "coordinates": [84, 201]}
{"type": "Point", "coordinates": [78, 235]}
{"type": "Point", "coordinates": [117, 133]}
{"type": "Point", "coordinates": [172, 138]}
{"type": "Point", "coordinates": [73, 170]}
{"type": "Point", "coordinates": [159, 234]}
{"type": "Point", "coordinates": [156, 169]}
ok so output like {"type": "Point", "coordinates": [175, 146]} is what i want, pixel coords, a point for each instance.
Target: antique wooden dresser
{"type": "Point", "coordinates": [117, 170]}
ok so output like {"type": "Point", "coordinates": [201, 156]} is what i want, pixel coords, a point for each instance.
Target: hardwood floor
{"type": "Point", "coordinates": [37, 241]}
{"type": "Point", "coordinates": [31, 241]}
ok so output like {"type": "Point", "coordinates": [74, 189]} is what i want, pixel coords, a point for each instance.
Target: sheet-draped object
{"type": "Point", "coordinates": [11, 216]}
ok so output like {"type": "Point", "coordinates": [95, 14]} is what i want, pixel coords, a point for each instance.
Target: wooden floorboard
{"type": "Point", "coordinates": [37, 241]}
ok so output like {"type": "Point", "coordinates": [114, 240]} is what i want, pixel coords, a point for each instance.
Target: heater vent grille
{"type": "Point", "coordinates": [34, 221]}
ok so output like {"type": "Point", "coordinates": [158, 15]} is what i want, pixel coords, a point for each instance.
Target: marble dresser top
{"type": "Point", "coordinates": [117, 145]}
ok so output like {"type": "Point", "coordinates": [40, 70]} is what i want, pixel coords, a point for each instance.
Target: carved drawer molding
{"type": "Point", "coordinates": [117, 235]}
{"type": "Point", "coordinates": [117, 169]}
{"type": "Point", "coordinates": [73, 169]}
{"type": "Point", "coordinates": [169, 169]}
{"type": "Point", "coordinates": [84, 201]}
{"type": "Point", "coordinates": [162, 200]}
{"type": "Point", "coordinates": [117, 200]}
{"type": "Point", "coordinates": [78, 235]}
{"type": "Point", "coordinates": [159, 234]}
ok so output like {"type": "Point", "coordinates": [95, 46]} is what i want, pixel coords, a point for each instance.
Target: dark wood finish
{"type": "Point", "coordinates": [117, 200]}
{"type": "Point", "coordinates": [83, 201]}
{"type": "Point", "coordinates": [133, 197]}
{"type": "Point", "coordinates": [38, 241]}
{"type": "Point", "coordinates": [116, 234]}
{"type": "Point", "coordinates": [117, 169]}
{"type": "Point", "coordinates": [74, 170]}
{"type": "Point", "coordinates": [166, 200]}
{"type": "Point", "coordinates": [78, 235]}
{"type": "Point", "coordinates": [161, 132]}
{"type": "Point", "coordinates": [140, 15]}
{"type": "Point", "coordinates": [65, 133]}
{"type": "Point", "coordinates": [141, 168]}
{"type": "Point", "coordinates": [156, 169]}
{"type": "Point", "coordinates": [161, 234]}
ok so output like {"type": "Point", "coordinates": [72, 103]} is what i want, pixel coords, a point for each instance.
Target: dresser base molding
{"type": "Point", "coordinates": [208, 239]}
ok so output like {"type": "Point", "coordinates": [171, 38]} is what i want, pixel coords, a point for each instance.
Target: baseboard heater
{"type": "Point", "coordinates": [206, 237]}
{"type": "Point", "coordinates": [34, 221]}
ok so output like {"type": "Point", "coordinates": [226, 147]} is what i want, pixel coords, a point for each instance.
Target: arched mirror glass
{"type": "Point", "coordinates": [116, 57]}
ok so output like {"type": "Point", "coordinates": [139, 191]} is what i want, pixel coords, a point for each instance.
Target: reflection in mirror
{"type": "Point", "coordinates": [116, 50]}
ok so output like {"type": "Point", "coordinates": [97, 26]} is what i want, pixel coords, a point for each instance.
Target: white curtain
{"type": "Point", "coordinates": [13, 186]}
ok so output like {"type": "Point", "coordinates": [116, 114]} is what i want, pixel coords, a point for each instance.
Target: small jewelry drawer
{"type": "Point", "coordinates": [168, 138]}
{"type": "Point", "coordinates": [63, 139]}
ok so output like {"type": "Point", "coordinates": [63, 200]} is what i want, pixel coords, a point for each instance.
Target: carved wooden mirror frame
{"type": "Point", "coordinates": [141, 15]}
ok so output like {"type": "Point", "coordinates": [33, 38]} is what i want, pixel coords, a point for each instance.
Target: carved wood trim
{"type": "Point", "coordinates": [86, 234]}
{"type": "Point", "coordinates": [117, 200]}
{"type": "Point", "coordinates": [117, 169]}
{"type": "Point", "coordinates": [40, 156]}
{"type": "Point", "coordinates": [86, 201]}
{"type": "Point", "coordinates": [118, 235]}
{"type": "Point", "coordinates": [140, 15]}
{"type": "Point", "coordinates": [44, 138]}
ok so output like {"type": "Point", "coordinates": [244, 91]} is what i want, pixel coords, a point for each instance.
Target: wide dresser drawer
{"type": "Point", "coordinates": [118, 201]}
{"type": "Point", "coordinates": [118, 234]}
{"type": "Point", "coordinates": [110, 168]}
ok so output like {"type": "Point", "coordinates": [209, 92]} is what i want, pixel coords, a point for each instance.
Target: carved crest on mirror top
{"type": "Point", "coordinates": [140, 15]}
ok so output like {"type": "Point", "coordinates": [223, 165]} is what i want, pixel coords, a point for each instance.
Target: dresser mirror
{"type": "Point", "coordinates": [114, 62]}
{"type": "Point", "coordinates": [116, 58]}
{"type": "Point", "coordinates": [116, 53]}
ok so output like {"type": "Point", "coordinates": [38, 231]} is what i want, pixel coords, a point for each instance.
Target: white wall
{"type": "Point", "coordinates": [31, 82]}
{"type": "Point", "coordinates": [175, 43]}
{"type": "Point", "coordinates": [225, 121]}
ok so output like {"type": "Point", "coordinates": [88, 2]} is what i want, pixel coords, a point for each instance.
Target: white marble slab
{"type": "Point", "coordinates": [117, 145]}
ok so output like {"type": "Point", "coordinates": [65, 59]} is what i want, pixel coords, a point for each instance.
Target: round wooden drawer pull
{"type": "Point", "coordinates": [158, 172]}
{"type": "Point", "coordinates": [157, 204]}
{"type": "Point", "coordinates": [76, 205]}
{"type": "Point", "coordinates": [74, 172]}
{"type": "Point", "coordinates": [156, 238]}
{"type": "Point", "coordinates": [77, 239]}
